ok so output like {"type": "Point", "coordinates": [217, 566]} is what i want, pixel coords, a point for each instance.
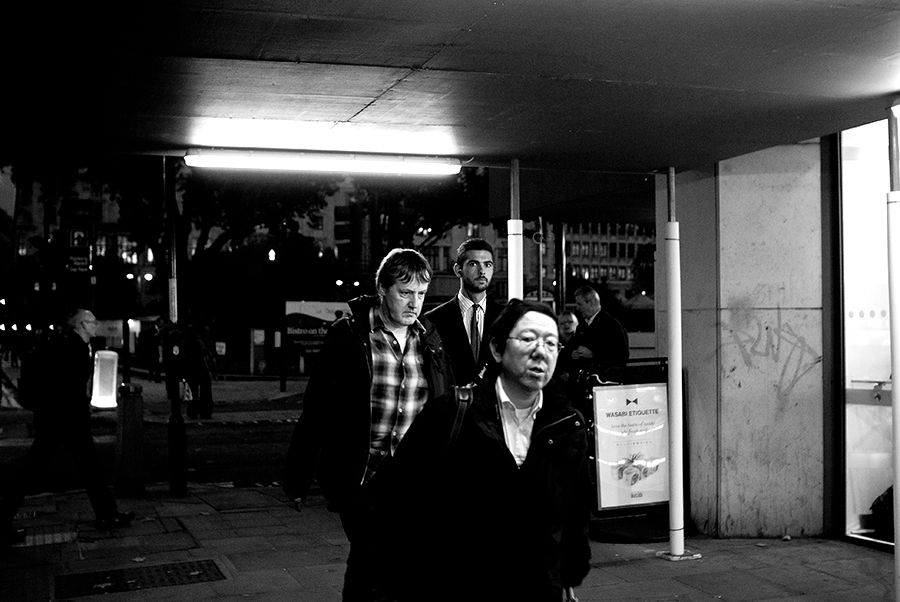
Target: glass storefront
{"type": "Point", "coordinates": [867, 350]}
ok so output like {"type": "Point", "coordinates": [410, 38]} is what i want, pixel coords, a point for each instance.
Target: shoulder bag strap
{"type": "Point", "coordinates": [463, 396]}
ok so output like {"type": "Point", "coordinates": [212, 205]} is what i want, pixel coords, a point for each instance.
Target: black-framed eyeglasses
{"type": "Point", "coordinates": [531, 341]}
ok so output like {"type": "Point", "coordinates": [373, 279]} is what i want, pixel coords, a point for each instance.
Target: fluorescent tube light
{"type": "Point", "coordinates": [322, 162]}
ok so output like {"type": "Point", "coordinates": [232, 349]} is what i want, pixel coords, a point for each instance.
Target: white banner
{"type": "Point", "coordinates": [631, 434]}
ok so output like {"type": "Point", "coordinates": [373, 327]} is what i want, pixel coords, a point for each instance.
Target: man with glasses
{"type": "Point", "coordinates": [62, 424]}
{"type": "Point", "coordinates": [501, 512]}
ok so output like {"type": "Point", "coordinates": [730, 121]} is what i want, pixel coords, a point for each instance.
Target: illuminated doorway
{"type": "Point", "coordinates": [867, 350]}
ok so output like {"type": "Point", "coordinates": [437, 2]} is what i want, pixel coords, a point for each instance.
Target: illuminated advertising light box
{"type": "Point", "coordinates": [631, 436]}
{"type": "Point", "coordinates": [103, 393]}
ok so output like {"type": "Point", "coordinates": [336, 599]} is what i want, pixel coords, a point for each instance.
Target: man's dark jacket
{"type": "Point", "coordinates": [449, 322]}
{"type": "Point", "coordinates": [331, 439]}
{"type": "Point", "coordinates": [605, 336]}
{"type": "Point", "coordinates": [477, 524]}
{"type": "Point", "coordinates": [65, 407]}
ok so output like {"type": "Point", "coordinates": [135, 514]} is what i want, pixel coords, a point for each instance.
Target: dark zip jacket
{"type": "Point", "coordinates": [470, 519]}
{"type": "Point", "coordinates": [331, 439]}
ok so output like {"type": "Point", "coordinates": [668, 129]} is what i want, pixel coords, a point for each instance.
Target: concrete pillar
{"type": "Point", "coordinates": [752, 316]}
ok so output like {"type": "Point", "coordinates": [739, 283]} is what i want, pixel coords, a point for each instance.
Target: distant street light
{"type": "Point", "coordinates": [339, 282]}
{"type": "Point", "coordinates": [356, 283]}
{"type": "Point", "coordinates": [148, 276]}
{"type": "Point", "coordinates": [129, 276]}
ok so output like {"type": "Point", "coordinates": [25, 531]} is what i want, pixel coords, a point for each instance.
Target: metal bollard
{"type": "Point", "coordinates": [130, 440]}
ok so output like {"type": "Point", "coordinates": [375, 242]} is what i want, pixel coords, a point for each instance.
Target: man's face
{"type": "Point", "coordinates": [568, 323]}
{"type": "Point", "coordinates": [475, 271]}
{"type": "Point", "coordinates": [529, 366]}
{"type": "Point", "coordinates": [402, 302]}
{"type": "Point", "coordinates": [89, 323]}
{"type": "Point", "coordinates": [584, 306]}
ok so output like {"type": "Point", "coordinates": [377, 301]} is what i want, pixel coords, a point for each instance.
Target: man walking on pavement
{"type": "Point", "coordinates": [463, 320]}
{"type": "Point", "coordinates": [499, 495]}
{"type": "Point", "coordinates": [62, 423]}
{"type": "Point", "coordinates": [377, 370]}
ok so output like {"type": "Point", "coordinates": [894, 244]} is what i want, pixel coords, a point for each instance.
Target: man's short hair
{"type": "Point", "coordinates": [472, 244]}
{"type": "Point", "coordinates": [74, 316]}
{"type": "Point", "coordinates": [586, 292]}
{"type": "Point", "coordinates": [512, 312]}
{"type": "Point", "coordinates": [402, 265]}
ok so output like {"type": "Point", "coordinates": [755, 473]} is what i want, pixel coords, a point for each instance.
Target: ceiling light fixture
{"type": "Point", "coordinates": [322, 162]}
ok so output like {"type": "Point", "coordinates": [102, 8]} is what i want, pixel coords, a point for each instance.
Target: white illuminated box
{"type": "Point", "coordinates": [103, 394]}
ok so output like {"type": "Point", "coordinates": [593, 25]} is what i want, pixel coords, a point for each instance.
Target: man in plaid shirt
{"type": "Point", "coordinates": [378, 368]}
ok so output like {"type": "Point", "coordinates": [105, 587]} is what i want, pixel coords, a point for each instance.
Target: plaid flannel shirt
{"type": "Point", "coordinates": [399, 388]}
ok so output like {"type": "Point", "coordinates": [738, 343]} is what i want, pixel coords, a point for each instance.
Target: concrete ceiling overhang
{"type": "Point", "coordinates": [607, 85]}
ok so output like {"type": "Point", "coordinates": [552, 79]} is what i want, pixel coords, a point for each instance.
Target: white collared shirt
{"type": "Point", "coordinates": [466, 307]}
{"type": "Point", "coordinates": [517, 424]}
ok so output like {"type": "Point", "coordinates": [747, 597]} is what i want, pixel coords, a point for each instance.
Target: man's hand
{"type": "Point", "coordinates": [582, 353]}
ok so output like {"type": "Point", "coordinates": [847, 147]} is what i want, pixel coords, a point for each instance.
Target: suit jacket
{"type": "Point", "coordinates": [606, 337]}
{"type": "Point", "coordinates": [449, 323]}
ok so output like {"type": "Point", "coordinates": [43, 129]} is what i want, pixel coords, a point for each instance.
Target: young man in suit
{"type": "Point", "coordinates": [463, 320]}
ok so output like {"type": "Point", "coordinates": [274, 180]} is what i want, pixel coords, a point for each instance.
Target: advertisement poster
{"type": "Point", "coordinates": [306, 323]}
{"type": "Point", "coordinates": [631, 432]}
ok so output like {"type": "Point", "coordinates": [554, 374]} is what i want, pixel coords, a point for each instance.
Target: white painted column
{"type": "Point", "coordinates": [514, 236]}
{"type": "Point", "coordinates": [676, 412]}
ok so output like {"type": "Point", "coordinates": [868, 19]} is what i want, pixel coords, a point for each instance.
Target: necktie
{"type": "Point", "coordinates": [473, 330]}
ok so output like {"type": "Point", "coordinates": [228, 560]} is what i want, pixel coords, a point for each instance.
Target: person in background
{"type": "Point", "coordinates": [500, 511]}
{"type": "Point", "coordinates": [378, 368]}
{"type": "Point", "coordinates": [463, 320]}
{"type": "Point", "coordinates": [568, 324]}
{"type": "Point", "coordinates": [62, 423]}
{"type": "Point", "coordinates": [201, 369]}
{"type": "Point", "coordinates": [600, 338]}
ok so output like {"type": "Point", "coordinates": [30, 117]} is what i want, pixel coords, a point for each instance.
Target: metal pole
{"type": "Point", "coordinates": [676, 457]}
{"type": "Point", "coordinates": [177, 437]}
{"type": "Point", "coordinates": [893, 224]}
{"type": "Point", "coordinates": [173, 247]}
{"type": "Point", "coordinates": [514, 235]}
{"type": "Point", "coordinates": [562, 268]}
{"type": "Point", "coordinates": [540, 273]}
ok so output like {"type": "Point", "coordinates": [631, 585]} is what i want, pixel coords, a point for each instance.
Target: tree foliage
{"type": "Point", "coordinates": [426, 208]}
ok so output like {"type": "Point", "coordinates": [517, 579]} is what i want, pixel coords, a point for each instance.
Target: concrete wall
{"type": "Point", "coordinates": [752, 324]}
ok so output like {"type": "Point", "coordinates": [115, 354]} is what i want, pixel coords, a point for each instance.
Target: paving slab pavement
{"type": "Point", "coordinates": [226, 543]}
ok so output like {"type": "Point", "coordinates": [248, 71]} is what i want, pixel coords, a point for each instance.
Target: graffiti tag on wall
{"type": "Point", "coordinates": [781, 344]}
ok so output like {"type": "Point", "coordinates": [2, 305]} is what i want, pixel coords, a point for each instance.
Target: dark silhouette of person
{"type": "Point", "coordinates": [62, 430]}
{"type": "Point", "coordinates": [201, 368]}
